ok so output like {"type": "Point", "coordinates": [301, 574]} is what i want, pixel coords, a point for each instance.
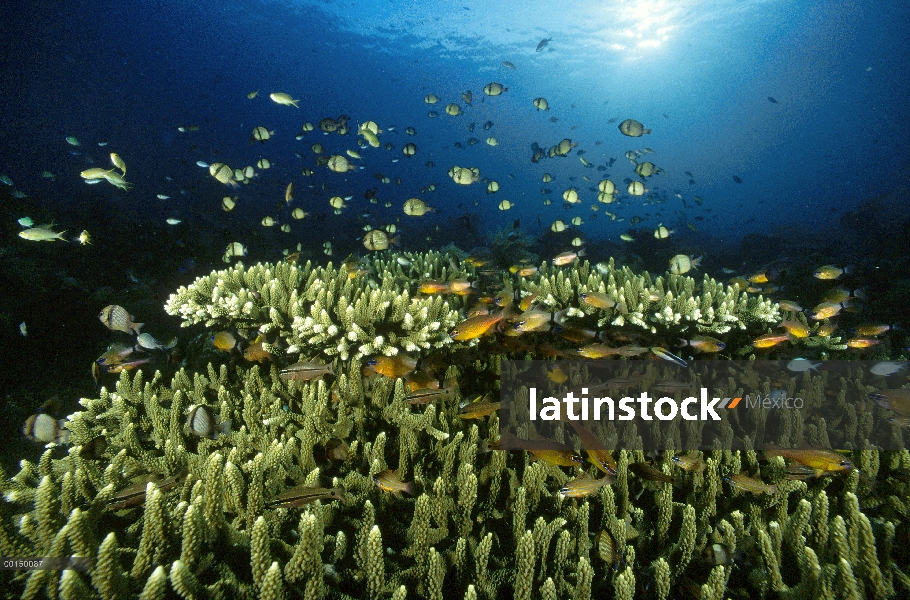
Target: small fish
{"type": "Point", "coordinates": [134, 495]}
{"type": "Point", "coordinates": [289, 193]}
{"type": "Point", "coordinates": [430, 394]}
{"type": "Point", "coordinates": [862, 342]}
{"type": "Point", "coordinates": [23, 329]}
{"type": "Point", "coordinates": [585, 485]}
{"type": "Point", "coordinates": [567, 258]}
{"type": "Point", "coordinates": [125, 366]}
{"type": "Point", "coordinates": [337, 450]}
{"type": "Point", "coordinates": [704, 343]}
{"type": "Point", "coordinates": [886, 368]}
{"type": "Point", "coordinates": [390, 481]}
{"type": "Point", "coordinates": [543, 44]}
{"type": "Point", "coordinates": [39, 234]}
{"type": "Point", "coordinates": [823, 461]}
{"type": "Point", "coordinates": [479, 409]}
{"type": "Point", "coordinates": [173, 221]}
{"type": "Point", "coordinates": [115, 354]}
{"type": "Point", "coordinates": [302, 495]}
{"type": "Point", "coordinates": [772, 100]}
{"type": "Point", "coordinates": [871, 329]}
{"type": "Point", "coordinates": [598, 456]}
{"type": "Point", "coordinates": [597, 351]}
{"type": "Point", "coordinates": [896, 399]}
{"type": "Point", "coordinates": [118, 162]}
{"type": "Point", "coordinates": [223, 341]}
{"type": "Point", "coordinates": [802, 365]}
{"type": "Point", "coordinates": [45, 429]}
{"type": "Point", "coordinates": [305, 371]}
{"type": "Point", "coordinates": [84, 238]}
{"type": "Point", "coordinates": [116, 318]}
{"type": "Point", "coordinates": [556, 374]}
{"type": "Point", "coordinates": [745, 483]}
{"type": "Point", "coordinates": [829, 272]}
{"type": "Point", "coordinates": [797, 329]}
{"type": "Point", "coordinates": [692, 461]}
{"type": "Point", "coordinates": [646, 471]}
{"type": "Point", "coordinates": [392, 367]}
{"type": "Point", "coordinates": [474, 327]}
{"type": "Point", "coordinates": [718, 554]}
{"type": "Point", "coordinates": [202, 423]}
{"type": "Point", "coordinates": [147, 342]}
{"type": "Point", "coordinates": [256, 351]}
{"type": "Point", "coordinates": [668, 356]}
{"type": "Point", "coordinates": [769, 340]}
{"type": "Point", "coordinates": [826, 310]}
{"type": "Point", "coordinates": [597, 300]}
{"type": "Point", "coordinates": [790, 306]}
{"type": "Point", "coordinates": [434, 287]}
{"type": "Point", "coordinates": [163, 197]}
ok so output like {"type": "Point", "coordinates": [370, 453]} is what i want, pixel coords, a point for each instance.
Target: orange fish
{"type": "Point", "coordinates": [256, 351]}
{"type": "Point", "coordinates": [862, 342]}
{"type": "Point", "coordinates": [392, 366]}
{"type": "Point", "coordinates": [475, 327]}
{"type": "Point", "coordinates": [769, 340]}
{"type": "Point", "coordinates": [434, 287]}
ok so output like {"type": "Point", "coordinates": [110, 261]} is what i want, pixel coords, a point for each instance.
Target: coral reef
{"type": "Point", "coordinates": [164, 513]}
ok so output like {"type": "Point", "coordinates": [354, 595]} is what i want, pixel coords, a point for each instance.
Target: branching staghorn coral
{"type": "Point", "coordinates": [202, 522]}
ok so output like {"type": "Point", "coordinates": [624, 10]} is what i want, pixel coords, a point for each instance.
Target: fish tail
{"type": "Point", "coordinates": [408, 488]}
{"type": "Point", "coordinates": [136, 327]}
{"type": "Point", "coordinates": [224, 427]}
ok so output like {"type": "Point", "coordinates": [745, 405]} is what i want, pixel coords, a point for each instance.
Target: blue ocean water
{"type": "Point", "coordinates": [786, 116]}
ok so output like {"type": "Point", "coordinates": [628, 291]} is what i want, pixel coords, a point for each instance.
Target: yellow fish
{"type": "Point", "coordinates": [475, 327]}
{"type": "Point", "coordinates": [823, 461]}
{"type": "Point", "coordinates": [830, 272]}
{"type": "Point", "coordinates": [795, 328]}
{"type": "Point", "coordinates": [118, 162]}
